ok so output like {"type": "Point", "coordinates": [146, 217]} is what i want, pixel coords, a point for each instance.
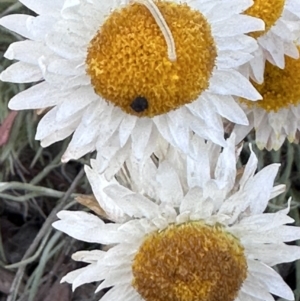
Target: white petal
{"type": "Point", "coordinates": [225, 170]}
{"type": "Point", "coordinates": [42, 7]}
{"type": "Point", "coordinates": [217, 14]}
{"type": "Point", "coordinates": [179, 128]}
{"type": "Point", "coordinates": [98, 183]}
{"type": "Point", "coordinates": [115, 164]}
{"type": "Point", "coordinates": [39, 26]}
{"type": "Point", "coordinates": [67, 45]}
{"type": "Point", "coordinates": [257, 65]}
{"type": "Point", "coordinates": [258, 290]}
{"type": "Point", "coordinates": [96, 272]}
{"type": "Point", "coordinates": [37, 97]}
{"type": "Point", "coordinates": [272, 254]}
{"type": "Point", "coordinates": [227, 107]}
{"type": "Point", "coordinates": [27, 51]}
{"type": "Point", "coordinates": [161, 123]}
{"type": "Point", "coordinates": [70, 277]}
{"type": "Point", "coordinates": [232, 83]}
{"type": "Point", "coordinates": [277, 190]}
{"type": "Point", "coordinates": [85, 135]}
{"type": "Point", "coordinates": [121, 254]}
{"type": "Point", "coordinates": [264, 221]}
{"type": "Point", "coordinates": [17, 23]}
{"type": "Point", "coordinates": [120, 293]}
{"type": "Point", "coordinates": [126, 126]}
{"type": "Point", "coordinates": [274, 48]}
{"type": "Point", "coordinates": [242, 43]}
{"type": "Point", "coordinates": [88, 256]}
{"type": "Point", "coordinates": [87, 227]}
{"type": "Point", "coordinates": [77, 100]}
{"type": "Point", "coordinates": [237, 24]}
{"type": "Point", "coordinates": [198, 167]}
{"type": "Point", "coordinates": [21, 72]}
{"type": "Point", "coordinates": [207, 131]}
{"type": "Point", "coordinates": [260, 187]}
{"type": "Point", "coordinates": [48, 125]}
{"type": "Point", "coordinates": [136, 205]}
{"type": "Point", "coordinates": [245, 297]}
{"type": "Point", "coordinates": [117, 277]}
{"type": "Point", "coordinates": [277, 235]}
{"type": "Point", "coordinates": [192, 201]}
{"type": "Point", "coordinates": [271, 279]}
{"type": "Point", "coordinates": [250, 168]}
{"type": "Point", "coordinates": [204, 109]}
{"type": "Point", "coordinates": [232, 58]}
{"type": "Point", "coordinates": [140, 136]}
{"type": "Point", "coordinates": [169, 190]}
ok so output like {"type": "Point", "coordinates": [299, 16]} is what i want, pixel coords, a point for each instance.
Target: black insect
{"type": "Point", "coordinates": [139, 104]}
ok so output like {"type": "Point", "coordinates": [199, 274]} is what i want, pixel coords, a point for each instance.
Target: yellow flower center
{"type": "Point", "coordinates": [267, 10]}
{"type": "Point", "coordinates": [189, 262]}
{"type": "Point", "coordinates": [129, 65]}
{"type": "Point", "coordinates": [281, 87]}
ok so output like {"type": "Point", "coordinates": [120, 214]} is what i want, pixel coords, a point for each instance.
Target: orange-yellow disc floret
{"type": "Point", "coordinates": [267, 10]}
{"type": "Point", "coordinates": [189, 262]}
{"type": "Point", "coordinates": [129, 66]}
{"type": "Point", "coordinates": [281, 87]}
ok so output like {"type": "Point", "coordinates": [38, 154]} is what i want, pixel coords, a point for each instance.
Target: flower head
{"type": "Point", "coordinates": [122, 74]}
{"type": "Point", "coordinates": [282, 20]}
{"type": "Point", "coordinates": [277, 116]}
{"type": "Point", "coordinates": [185, 229]}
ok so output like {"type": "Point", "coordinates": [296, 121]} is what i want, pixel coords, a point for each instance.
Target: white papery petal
{"type": "Point", "coordinates": [234, 8]}
{"type": "Point", "coordinates": [138, 206]}
{"type": "Point", "coordinates": [88, 256]}
{"type": "Point", "coordinates": [95, 273]}
{"type": "Point", "coordinates": [192, 200]}
{"type": "Point", "coordinates": [120, 293]}
{"type": "Point", "coordinates": [140, 136]}
{"type": "Point", "coordinates": [34, 50]}
{"type": "Point", "coordinates": [43, 6]}
{"type": "Point", "coordinates": [198, 167]}
{"type": "Point", "coordinates": [179, 128]}
{"type": "Point", "coordinates": [260, 195]}
{"type": "Point", "coordinates": [228, 108]}
{"type": "Point", "coordinates": [166, 178]}
{"type": "Point", "coordinates": [237, 24]}
{"type": "Point", "coordinates": [205, 131]}
{"type": "Point", "coordinates": [70, 277]}
{"type": "Point", "coordinates": [49, 126]}
{"type": "Point", "coordinates": [250, 168]}
{"type": "Point", "coordinates": [258, 290]}
{"type": "Point", "coordinates": [17, 23]}
{"type": "Point", "coordinates": [71, 105]}
{"type": "Point", "coordinates": [117, 277]}
{"type": "Point", "coordinates": [87, 227]}
{"type": "Point", "coordinates": [225, 170]}
{"type": "Point", "coordinates": [37, 97]}
{"type": "Point", "coordinates": [272, 254]}
{"type": "Point", "coordinates": [271, 279]}
{"type": "Point", "coordinates": [125, 129]}
{"type": "Point", "coordinates": [241, 88]}
{"type": "Point", "coordinates": [109, 205]}
{"type": "Point", "coordinates": [21, 73]}
{"type": "Point", "coordinates": [277, 190]}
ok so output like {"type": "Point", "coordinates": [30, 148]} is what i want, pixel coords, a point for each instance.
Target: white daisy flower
{"type": "Point", "coordinates": [195, 231]}
{"type": "Point", "coordinates": [282, 20]}
{"type": "Point", "coordinates": [118, 74]}
{"type": "Point", "coordinates": [277, 116]}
